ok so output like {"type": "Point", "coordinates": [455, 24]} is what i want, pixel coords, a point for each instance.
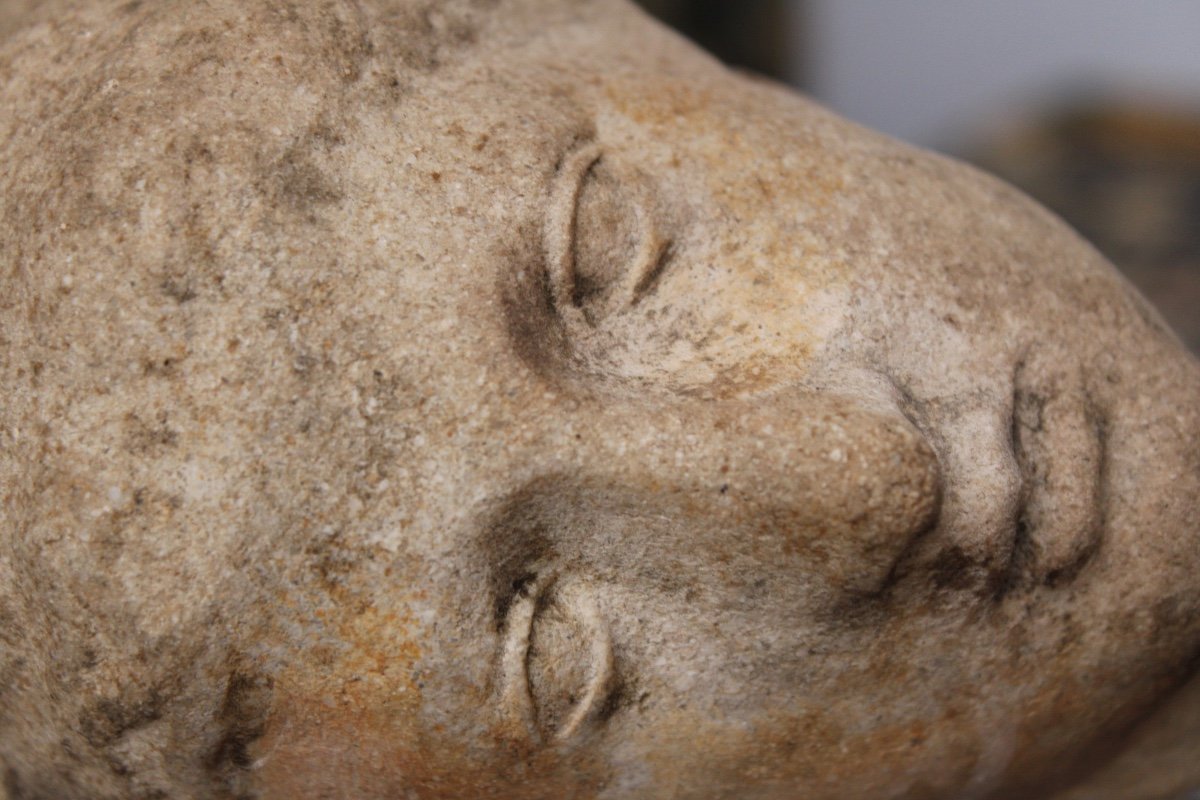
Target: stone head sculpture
{"type": "Point", "coordinates": [500, 398]}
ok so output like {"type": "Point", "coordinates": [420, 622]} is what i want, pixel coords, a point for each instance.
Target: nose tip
{"type": "Point", "coordinates": [843, 489]}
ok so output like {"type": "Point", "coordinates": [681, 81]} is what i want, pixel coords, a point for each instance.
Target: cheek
{"type": "Point", "coordinates": [343, 713]}
{"type": "Point", "coordinates": [374, 706]}
{"type": "Point", "coordinates": [823, 754]}
{"type": "Point", "coordinates": [743, 313]}
{"type": "Point", "coordinates": [349, 725]}
{"type": "Point", "coordinates": [333, 747]}
{"type": "Point", "coordinates": [367, 747]}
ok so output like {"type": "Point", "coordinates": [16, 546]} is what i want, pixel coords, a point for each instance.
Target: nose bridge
{"type": "Point", "coordinates": [852, 487]}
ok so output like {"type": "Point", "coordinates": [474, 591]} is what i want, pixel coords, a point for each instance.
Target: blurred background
{"type": "Point", "coordinates": [1091, 106]}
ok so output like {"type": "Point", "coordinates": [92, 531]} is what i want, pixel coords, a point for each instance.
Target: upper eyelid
{"type": "Point", "coordinates": [562, 220]}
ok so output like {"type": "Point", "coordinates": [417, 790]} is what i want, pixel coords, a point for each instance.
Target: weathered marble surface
{"type": "Point", "coordinates": [498, 398]}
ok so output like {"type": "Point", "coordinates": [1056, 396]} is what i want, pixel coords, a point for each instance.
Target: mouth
{"type": "Point", "coordinates": [1027, 480]}
{"type": "Point", "coordinates": [556, 661]}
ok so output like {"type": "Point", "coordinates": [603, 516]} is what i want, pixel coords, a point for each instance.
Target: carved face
{"type": "Point", "coordinates": [589, 421]}
{"type": "Point", "coordinates": [759, 456]}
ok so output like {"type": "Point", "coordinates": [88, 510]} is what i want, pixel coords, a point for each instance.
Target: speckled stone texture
{"type": "Point", "coordinates": [501, 399]}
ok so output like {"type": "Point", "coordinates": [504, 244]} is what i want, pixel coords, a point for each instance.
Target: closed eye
{"type": "Point", "coordinates": [556, 661]}
{"type": "Point", "coordinates": [603, 249]}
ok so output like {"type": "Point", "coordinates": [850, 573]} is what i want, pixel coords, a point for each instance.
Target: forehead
{"type": "Point", "coordinates": [401, 179]}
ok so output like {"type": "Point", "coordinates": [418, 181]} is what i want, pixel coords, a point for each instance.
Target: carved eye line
{"type": "Point", "coordinates": [562, 229]}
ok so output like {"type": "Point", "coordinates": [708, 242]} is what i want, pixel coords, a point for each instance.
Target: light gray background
{"type": "Point", "coordinates": [933, 71]}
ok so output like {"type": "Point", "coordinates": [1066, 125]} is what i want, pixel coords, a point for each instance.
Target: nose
{"type": "Point", "coordinates": [842, 489]}
{"type": "Point", "coordinates": [810, 495]}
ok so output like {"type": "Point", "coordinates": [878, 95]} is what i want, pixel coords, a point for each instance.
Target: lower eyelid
{"type": "Point", "coordinates": [1059, 439]}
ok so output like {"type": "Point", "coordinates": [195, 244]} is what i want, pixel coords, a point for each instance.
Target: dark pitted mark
{"type": "Point", "coordinates": [179, 289]}
{"type": "Point", "coordinates": [12, 785]}
{"type": "Point", "coordinates": [109, 719]}
{"type": "Point", "coordinates": [243, 720]}
{"type": "Point", "coordinates": [953, 569]}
